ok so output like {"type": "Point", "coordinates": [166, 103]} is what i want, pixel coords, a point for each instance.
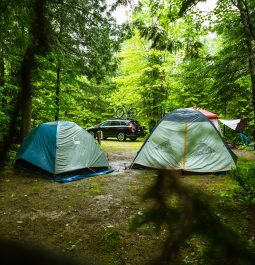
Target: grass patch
{"type": "Point", "coordinates": [127, 146]}
{"type": "Point", "coordinates": [245, 160]}
{"type": "Point", "coordinates": [110, 239]}
{"type": "Point", "coordinates": [95, 188]}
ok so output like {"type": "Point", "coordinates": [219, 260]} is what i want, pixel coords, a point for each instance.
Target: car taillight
{"type": "Point", "coordinates": [131, 127]}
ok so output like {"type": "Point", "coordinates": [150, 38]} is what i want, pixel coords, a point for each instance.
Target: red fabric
{"type": "Point", "coordinates": [208, 114]}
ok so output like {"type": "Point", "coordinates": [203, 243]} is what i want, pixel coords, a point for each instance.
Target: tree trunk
{"type": "Point", "coordinates": [249, 41]}
{"type": "Point", "coordinates": [57, 93]}
{"type": "Point", "coordinates": [1, 69]}
{"type": "Point", "coordinates": [38, 45]}
{"type": "Point", "coordinates": [26, 91]}
{"type": "Point", "coordinates": [2, 77]}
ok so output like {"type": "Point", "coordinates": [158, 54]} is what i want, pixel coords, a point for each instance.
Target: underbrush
{"type": "Point", "coordinates": [244, 175]}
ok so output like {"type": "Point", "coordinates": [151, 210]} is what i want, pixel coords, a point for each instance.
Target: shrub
{"type": "Point", "coordinates": [245, 177]}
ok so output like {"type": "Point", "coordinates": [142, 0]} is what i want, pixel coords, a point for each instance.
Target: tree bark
{"type": "Point", "coordinates": [249, 41]}
{"type": "Point", "coordinates": [37, 46]}
{"type": "Point", "coordinates": [2, 68]}
{"type": "Point", "coordinates": [26, 91]}
{"type": "Point", "coordinates": [57, 95]}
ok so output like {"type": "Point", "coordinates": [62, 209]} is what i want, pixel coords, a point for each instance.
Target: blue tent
{"type": "Point", "coordinates": [62, 151]}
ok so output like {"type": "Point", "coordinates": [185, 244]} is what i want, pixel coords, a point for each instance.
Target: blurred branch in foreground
{"type": "Point", "coordinates": [191, 216]}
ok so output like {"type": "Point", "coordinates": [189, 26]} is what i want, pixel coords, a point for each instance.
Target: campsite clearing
{"type": "Point", "coordinates": [91, 217]}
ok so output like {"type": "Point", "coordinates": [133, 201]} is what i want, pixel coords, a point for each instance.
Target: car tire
{"type": "Point", "coordinates": [121, 136]}
{"type": "Point", "coordinates": [100, 134]}
{"type": "Point", "coordinates": [133, 138]}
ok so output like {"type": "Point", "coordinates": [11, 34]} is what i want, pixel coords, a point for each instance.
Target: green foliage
{"type": "Point", "coordinates": [244, 176]}
{"type": "Point", "coordinates": [83, 40]}
{"type": "Point", "coordinates": [210, 71]}
{"type": "Point", "coordinates": [230, 68]}
{"type": "Point", "coordinates": [144, 80]}
{"type": "Point", "coordinates": [156, 78]}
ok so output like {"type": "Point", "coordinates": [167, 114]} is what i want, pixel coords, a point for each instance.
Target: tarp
{"type": "Point", "coordinates": [237, 125]}
{"type": "Point", "coordinates": [61, 149]}
{"type": "Point", "coordinates": [186, 140]}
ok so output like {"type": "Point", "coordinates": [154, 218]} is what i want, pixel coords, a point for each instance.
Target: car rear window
{"type": "Point", "coordinates": [123, 123]}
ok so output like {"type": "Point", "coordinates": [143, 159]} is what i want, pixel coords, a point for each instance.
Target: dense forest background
{"type": "Point", "coordinates": [170, 54]}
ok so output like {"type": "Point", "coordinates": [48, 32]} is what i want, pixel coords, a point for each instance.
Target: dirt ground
{"type": "Point", "coordinates": [89, 217]}
{"type": "Point", "coordinates": [244, 153]}
{"type": "Point", "coordinates": [82, 218]}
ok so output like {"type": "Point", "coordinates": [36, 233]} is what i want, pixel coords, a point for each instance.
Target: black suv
{"type": "Point", "coordinates": [119, 128]}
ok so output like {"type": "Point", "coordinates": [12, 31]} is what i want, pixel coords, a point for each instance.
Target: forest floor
{"type": "Point", "coordinates": [91, 217]}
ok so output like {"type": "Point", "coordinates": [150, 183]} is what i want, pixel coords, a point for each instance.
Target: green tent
{"type": "Point", "coordinates": [62, 151]}
{"type": "Point", "coordinates": [185, 140]}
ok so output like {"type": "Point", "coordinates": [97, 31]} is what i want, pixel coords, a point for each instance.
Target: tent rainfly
{"type": "Point", "coordinates": [185, 140]}
{"type": "Point", "coordinates": [62, 151]}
